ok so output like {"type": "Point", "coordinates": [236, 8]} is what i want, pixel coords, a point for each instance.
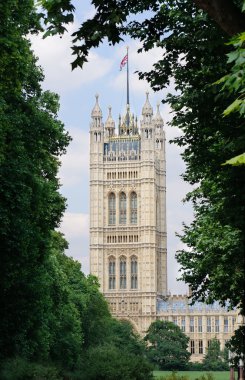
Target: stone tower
{"type": "Point", "coordinates": [128, 212]}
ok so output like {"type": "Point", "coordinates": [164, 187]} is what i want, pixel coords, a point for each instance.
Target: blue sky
{"type": "Point", "coordinates": [77, 91]}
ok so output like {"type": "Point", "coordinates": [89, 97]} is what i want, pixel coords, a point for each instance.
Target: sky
{"type": "Point", "coordinates": [77, 91]}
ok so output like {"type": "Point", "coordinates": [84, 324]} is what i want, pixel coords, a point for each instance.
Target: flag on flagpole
{"type": "Point", "coordinates": [124, 61]}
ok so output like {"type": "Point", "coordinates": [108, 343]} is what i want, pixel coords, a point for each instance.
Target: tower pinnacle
{"type": "Point", "coordinates": [96, 111]}
{"type": "Point", "coordinates": [147, 109]}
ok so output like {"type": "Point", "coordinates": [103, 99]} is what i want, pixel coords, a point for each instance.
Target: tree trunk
{"type": "Point", "coordinates": [225, 14]}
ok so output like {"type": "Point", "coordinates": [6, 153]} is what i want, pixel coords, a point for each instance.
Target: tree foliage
{"type": "Point", "coordinates": [215, 359]}
{"type": "Point", "coordinates": [234, 83]}
{"type": "Point", "coordinates": [236, 346]}
{"type": "Point", "coordinates": [32, 139]}
{"type": "Point", "coordinates": [168, 346]}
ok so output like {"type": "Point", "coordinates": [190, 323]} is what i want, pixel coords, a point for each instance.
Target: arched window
{"type": "Point", "coordinates": [134, 272]}
{"type": "Point", "coordinates": [122, 208]}
{"type": "Point", "coordinates": [112, 208]}
{"type": "Point", "coordinates": [123, 272]}
{"type": "Point", "coordinates": [112, 272]}
{"type": "Point", "coordinates": [133, 208]}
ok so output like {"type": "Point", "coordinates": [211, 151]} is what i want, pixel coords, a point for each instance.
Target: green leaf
{"type": "Point", "coordinates": [234, 106]}
{"type": "Point", "coordinates": [232, 56]}
{"type": "Point", "coordinates": [236, 161]}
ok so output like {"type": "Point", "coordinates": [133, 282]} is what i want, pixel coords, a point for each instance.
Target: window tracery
{"type": "Point", "coordinates": [112, 272]}
{"type": "Point", "coordinates": [133, 208]}
{"type": "Point", "coordinates": [134, 272]}
{"type": "Point", "coordinates": [122, 208]}
{"type": "Point", "coordinates": [123, 272]}
{"type": "Point", "coordinates": [112, 208]}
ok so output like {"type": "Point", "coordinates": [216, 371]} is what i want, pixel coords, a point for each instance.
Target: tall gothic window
{"type": "Point", "coordinates": [133, 208]}
{"type": "Point", "coordinates": [112, 208]}
{"type": "Point", "coordinates": [122, 208]}
{"type": "Point", "coordinates": [123, 270]}
{"type": "Point", "coordinates": [192, 347]}
{"type": "Point", "coordinates": [134, 272]}
{"type": "Point", "coordinates": [112, 273]}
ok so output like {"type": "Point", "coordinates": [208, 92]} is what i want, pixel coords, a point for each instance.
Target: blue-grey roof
{"type": "Point", "coordinates": [182, 305]}
{"type": "Point", "coordinates": [124, 146]}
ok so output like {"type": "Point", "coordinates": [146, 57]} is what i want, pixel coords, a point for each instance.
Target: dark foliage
{"type": "Point", "coordinates": [167, 346]}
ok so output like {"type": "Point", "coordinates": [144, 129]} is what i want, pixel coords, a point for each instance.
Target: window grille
{"type": "Point", "coordinates": [112, 273]}
{"type": "Point", "coordinates": [134, 273]}
{"type": "Point", "coordinates": [183, 324]}
{"type": "Point", "coordinates": [122, 208]}
{"type": "Point", "coordinates": [192, 347]}
{"type": "Point", "coordinates": [199, 324]}
{"type": "Point", "coordinates": [208, 324]}
{"type": "Point", "coordinates": [133, 208]}
{"type": "Point", "coordinates": [191, 324]}
{"type": "Point", "coordinates": [200, 347]}
{"type": "Point", "coordinates": [216, 324]}
{"type": "Point", "coordinates": [123, 273]}
{"type": "Point", "coordinates": [112, 208]}
{"type": "Point", "coordinates": [225, 324]}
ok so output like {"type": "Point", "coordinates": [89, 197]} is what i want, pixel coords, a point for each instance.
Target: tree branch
{"type": "Point", "coordinates": [225, 14]}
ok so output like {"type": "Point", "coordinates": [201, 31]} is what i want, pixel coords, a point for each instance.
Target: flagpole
{"type": "Point", "coordinates": [127, 80]}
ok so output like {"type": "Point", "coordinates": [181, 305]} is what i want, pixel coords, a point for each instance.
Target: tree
{"type": "Point", "coordinates": [124, 337]}
{"type": "Point", "coordinates": [236, 345]}
{"type": "Point", "coordinates": [214, 359]}
{"type": "Point", "coordinates": [119, 353]}
{"type": "Point", "coordinates": [234, 83]}
{"type": "Point", "coordinates": [168, 346]}
{"type": "Point", "coordinates": [108, 362]}
{"type": "Point", "coordinates": [110, 20]}
{"type": "Point", "coordinates": [225, 13]}
{"type": "Point", "coordinates": [32, 139]}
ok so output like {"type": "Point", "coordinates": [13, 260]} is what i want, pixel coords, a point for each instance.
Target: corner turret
{"type": "Point", "coordinates": [158, 126]}
{"type": "Point", "coordinates": [96, 125]}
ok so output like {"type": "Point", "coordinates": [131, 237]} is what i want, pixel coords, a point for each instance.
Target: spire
{"type": "Point", "coordinates": [96, 111]}
{"type": "Point", "coordinates": [147, 110]}
{"type": "Point", "coordinates": [110, 123]}
{"type": "Point", "coordinates": [127, 125]}
{"type": "Point", "coordinates": [158, 120]}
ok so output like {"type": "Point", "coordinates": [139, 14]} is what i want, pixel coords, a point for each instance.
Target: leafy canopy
{"type": "Point", "coordinates": [167, 346]}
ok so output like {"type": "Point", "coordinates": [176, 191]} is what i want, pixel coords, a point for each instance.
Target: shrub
{"type": "Point", "coordinates": [21, 369]}
{"type": "Point", "coordinates": [174, 376]}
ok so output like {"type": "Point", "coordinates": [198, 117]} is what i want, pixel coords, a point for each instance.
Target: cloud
{"type": "Point", "coordinates": [75, 164]}
{"type": "Point", "coordinates": [75, 227]}
{"type": "Point", "coordinates": [55, 57]}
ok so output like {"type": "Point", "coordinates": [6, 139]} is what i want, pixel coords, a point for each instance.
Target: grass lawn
{"type": "Point", "coordinates": [219, 375]}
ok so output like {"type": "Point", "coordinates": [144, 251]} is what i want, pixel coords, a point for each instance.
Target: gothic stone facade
{"type": "Point", "coordinates": [128, 228]}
